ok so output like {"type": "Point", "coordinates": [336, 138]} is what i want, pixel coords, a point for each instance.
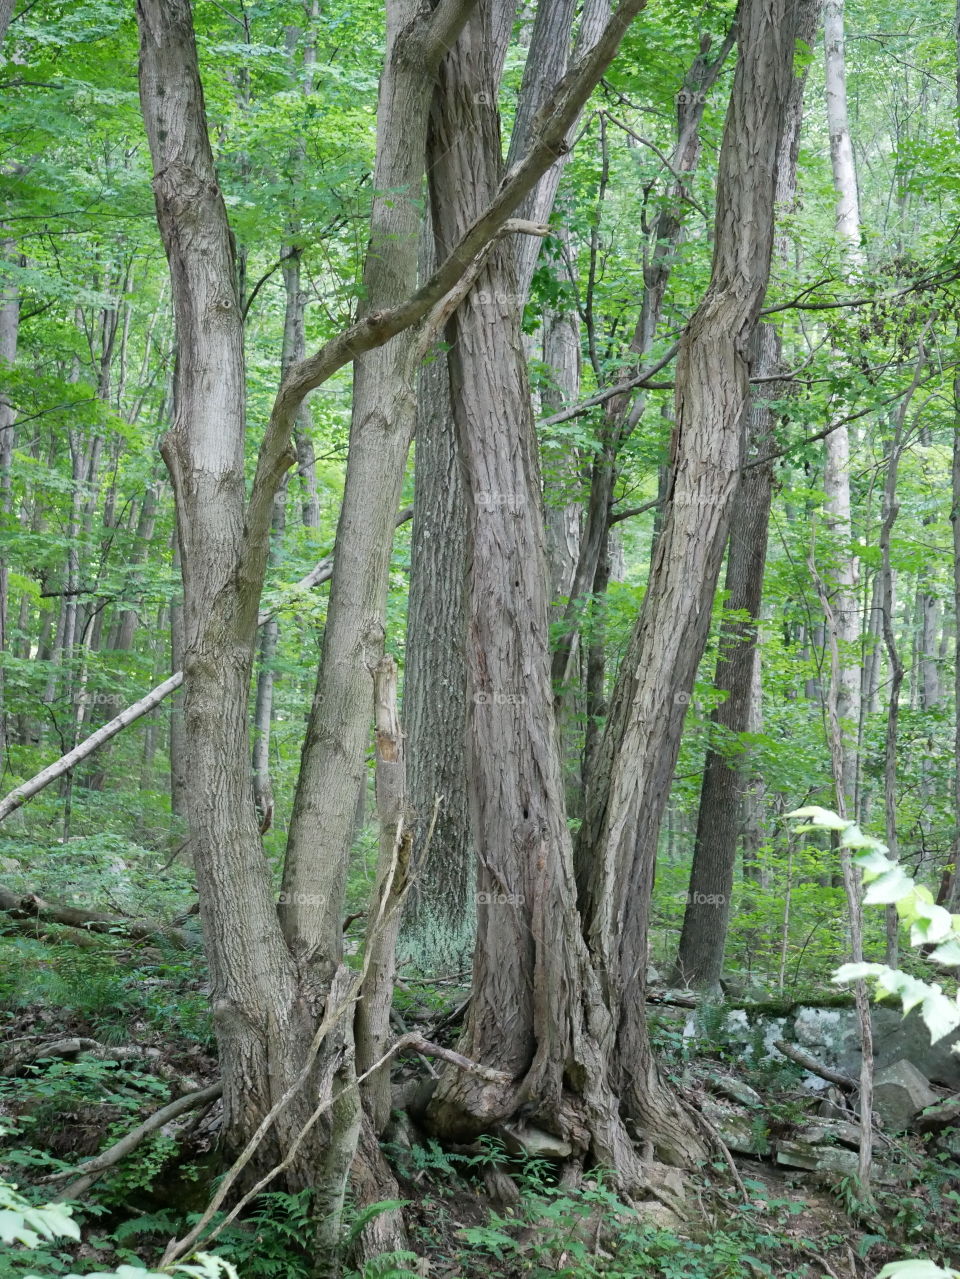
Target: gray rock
{"type": "Point", "coordinates": [839, 1131]}
{"type": "Point", "coordinates": [899, 1093]}
{"type": "Point", "coordinates": [654, 1213]}
{"type": "Point", "coordinates": [735, 1128]}
{"type": "Point", "coordinates": [735, 1089]}
{"type": "Point", "coordinates": [944, 1114]}
{"type": "Point", "coordinates": [797, 1154]}
{"type": "Point", "coordinates": [535, 1143]}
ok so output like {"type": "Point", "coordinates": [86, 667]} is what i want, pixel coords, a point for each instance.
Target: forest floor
{"type": "Point", "coordinates": [87, 1051]}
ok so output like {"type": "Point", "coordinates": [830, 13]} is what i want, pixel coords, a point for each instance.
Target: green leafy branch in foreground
{"type": "Point", "coordinates": [889, 884]}
{"type": "Point", "coordinates": [24, 1223]}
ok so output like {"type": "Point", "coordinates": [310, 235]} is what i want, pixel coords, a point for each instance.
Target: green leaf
{"type": "Point", "coordinates": [889, 887]}
{"type": "Point", "coordinates": [947, 953]}
{"type": "Point", "coordinates": [919, 1269]}
{"type": "Point", "coordinates": [822, 818]}
{"type": "Point", "coordinates": [856, 972]}
{"type": "Point", "coordinates": [853, 837]}
{"type": "Point", "coordinates": [940, 1014]}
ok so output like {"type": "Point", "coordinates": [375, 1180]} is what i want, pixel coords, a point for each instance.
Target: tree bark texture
{"type": "Point", "coordinates": [628, 791]}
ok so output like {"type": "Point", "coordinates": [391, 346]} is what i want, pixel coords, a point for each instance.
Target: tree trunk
{"type": "Point", "coordinates": [629, 789]}
{"type": "Point", "coordinates": [536, 1010]}
{"type": "Point", "coordinates": [441, 922]}
{"type": "Point", "coordinates": [252, 976]}
{"type": "Point", "coordinates": [6, 13]}
{"type": "Point", "coordinates": [9, 328]}
{"type": "Point", "coordinates": [721, 813]}
{"type": "Point", "coordinates": [844, 570]}
{"type": "Point", "coordinates": [441, 917]}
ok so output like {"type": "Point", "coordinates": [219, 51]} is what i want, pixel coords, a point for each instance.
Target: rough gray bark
{"type": "Point", "coordinates": [630, 785]}
{"type": "Point", "coordinates": [536, 1008]}
{"type": "Point", "coordinates": [726, 779]}
{"type": "Point", "coordinates": [441, 918]}
{"type": "Point", "coordinates": [439, 927]}
{"type": "Point", "coordinates": [720, 814]}
{"type": "Point", "coordinates": [6, 13]}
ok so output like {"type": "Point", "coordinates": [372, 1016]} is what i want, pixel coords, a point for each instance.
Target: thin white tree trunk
{"type": "Point", "coordinates": [843, 577]}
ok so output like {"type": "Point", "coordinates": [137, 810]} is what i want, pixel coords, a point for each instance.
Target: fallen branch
{"type": "Point", "coordinates": [54, 936]}
{"type": "Point", "coordinates": [815, 1067]}
{"type": "Point", "coordinates": [320, 573]}
{"type": "Point", "coordinates": [94, 1168]}
{"type": "Point", "coordinates": [30, 906]}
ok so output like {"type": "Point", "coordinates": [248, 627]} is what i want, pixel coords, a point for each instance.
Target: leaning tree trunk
{"type": "Point", "coordinates": [726, 779]}
{"type": "Point", "coordinates": [260, 1024]}
{"type": "Point", "coordinates": [720, 813]}
{"type": "Point", "coordinates": [630, 786]}
{"type": "Point", "coordinates": [536, 1008]}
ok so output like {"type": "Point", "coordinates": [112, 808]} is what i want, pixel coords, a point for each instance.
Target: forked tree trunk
{"type": "Point", "coordinates": [536, 1009]}
{"type": "Point", "coordinates": [629, 789]}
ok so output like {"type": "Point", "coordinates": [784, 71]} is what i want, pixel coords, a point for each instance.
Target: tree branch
{"type": "Point", "coordinates": [94, 1168]}
{"type": "Point", "coordinates": [320, 573]}
{"type": "Point", "coordinates": [549, 142]}
{"type": "Point", "coordinates": [30, 906]}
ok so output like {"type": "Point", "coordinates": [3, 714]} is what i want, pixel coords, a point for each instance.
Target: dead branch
{"type": "Point", "coordinates": [815, 1067]}
{"type": "Point", "coordinates": [31, 906]}
{"type": "Point", "coordinates": [94, 1168]}
{"type": "Point", "coordinates": [320, 573]}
